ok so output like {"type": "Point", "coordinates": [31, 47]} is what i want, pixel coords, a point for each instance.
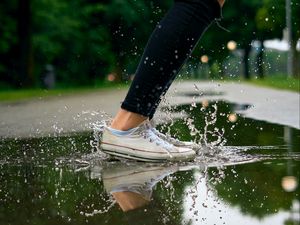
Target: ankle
{"type": "Point", "coordinates": [126, 120]}
{"type": "Point", "coordinates": [125, 125]}
{"type": "Point", "coordinates": [119, 126]}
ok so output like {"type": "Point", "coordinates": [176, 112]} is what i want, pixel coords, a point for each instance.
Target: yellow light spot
{"type": "Point", "coordinates": [289, 183]}
{"type": "Point", "coordinates": [205, 103]}
{"type": "Point", "coordinates": [232, 117]}
{"type": "Point", "coordinates": [204, 59]}
{"type": "Point", "coordinates": [231, 45]}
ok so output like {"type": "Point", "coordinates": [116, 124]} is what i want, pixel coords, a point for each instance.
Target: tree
{"type": "Point", "coordinates": [239, 19]}
{"type": "Point", "coordinates": [270, 21]}
{"type": "Point", "coordinates": [241, 23]}
{"type": "Point", "coordinates": [24, 44]}
{"type": "Point", "coordinates": [71, 37]}
{"type": "Point", "coordinates": [130, 24]}
{"type": "Point", "coordinates": [83, 40]}
{"type": "Point", "coordinates": [15, 42]}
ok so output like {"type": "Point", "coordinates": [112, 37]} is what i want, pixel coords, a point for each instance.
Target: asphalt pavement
{"type": "Point", "coordinates": [75, 113]}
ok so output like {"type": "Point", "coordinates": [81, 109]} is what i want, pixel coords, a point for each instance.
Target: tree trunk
{"type": "Point", "coordinates": [246, 71]}
{"type": "Point", "coordinates": [118, 71]}
{"type": "Point", "coordinates": [296, 60]}
{"type": "Point", "coordinates": [260, 60]}
{"type": "Point", "coordinates": [25, 58]}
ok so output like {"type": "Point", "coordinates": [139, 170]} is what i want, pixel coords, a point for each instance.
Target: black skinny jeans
{"type": "Point", "coordinates": [170, 44]}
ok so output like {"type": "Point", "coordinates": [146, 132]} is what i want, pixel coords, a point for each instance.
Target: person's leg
{"type": "Point", "coordinates": [169, 46]}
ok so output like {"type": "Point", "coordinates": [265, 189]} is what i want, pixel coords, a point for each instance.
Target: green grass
{"type": "Point", "coordinates": [278, 82]}
{"type": "Point", "coordinates": [12, 95]}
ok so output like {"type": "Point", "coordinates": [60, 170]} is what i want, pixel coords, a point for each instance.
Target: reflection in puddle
{"type": "Point", "coordinates": [253, 179]}
{"type": "Point", "coordinates": [131, 185]}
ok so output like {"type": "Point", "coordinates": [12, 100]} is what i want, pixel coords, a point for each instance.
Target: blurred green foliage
{"type": "Point", "coordinates": [86, 40]}
{"type": "Point", "coordinates": [83, 40]}
{"type": "Point", "coordinates": [69, 40]}
{"type": "Point", "coordinates": [247, 21]}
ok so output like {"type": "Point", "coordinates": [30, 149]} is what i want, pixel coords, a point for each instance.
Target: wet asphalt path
{"type": "Point", "coordinates": [75, 113]}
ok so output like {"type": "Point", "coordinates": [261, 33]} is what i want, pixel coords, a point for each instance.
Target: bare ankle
{"type": "Point", "coordinates": [125, 120]}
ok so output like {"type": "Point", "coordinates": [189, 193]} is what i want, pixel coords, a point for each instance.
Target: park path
{"type": "Point", "coordinates": [75, 113]}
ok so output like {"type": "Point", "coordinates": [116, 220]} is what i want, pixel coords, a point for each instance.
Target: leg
{"type": "Point", "coordinates": [169, 46]}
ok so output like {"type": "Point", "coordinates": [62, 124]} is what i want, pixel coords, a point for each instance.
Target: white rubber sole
{"type": "Point", "coordinates": [139, 154]}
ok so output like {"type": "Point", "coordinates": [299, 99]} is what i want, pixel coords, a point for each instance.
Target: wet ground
{"type": "Point", "coordinates": [247, 173]}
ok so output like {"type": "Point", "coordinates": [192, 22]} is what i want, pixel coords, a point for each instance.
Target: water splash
{"type": "Point", "coordinates": [210, 135]}
{"type": "Point", "coordinates": [100, 211]}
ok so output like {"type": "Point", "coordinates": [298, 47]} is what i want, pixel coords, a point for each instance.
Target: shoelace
{"type": "Point", "coordinates": [166, 137]}
{"type": "Point", "coordinates": [149, 134]}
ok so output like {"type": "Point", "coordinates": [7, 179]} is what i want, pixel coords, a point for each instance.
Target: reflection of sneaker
{"type": "Point", "coordinates": [141, 143]}
{"type": "Point", "coordinates": [136, 178]}
{"type": "Point", "coordinates": [131, 184]}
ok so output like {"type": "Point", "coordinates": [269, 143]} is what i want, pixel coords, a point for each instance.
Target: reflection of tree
{"type": "Point", "coordinates": [44, 195]}
{"type": "Point", "coordinates": [171, 197]}
{"type": "Point", "coordinates": [36, 191]}
{"type": "Point", "coordinates": [291, 222]}
{"type": "Point", "coordinates": [45, 149]}
{"type": "Point", "coordinates": [256, 188]}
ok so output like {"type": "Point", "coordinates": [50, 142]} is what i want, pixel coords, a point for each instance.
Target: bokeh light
{"type": "Point", "coordinates": [232, 117]}
{"type": "Point", "coordinates": [231, 45]}
{"type": "Point", "coordinates": [204, 59]}
{"type": "Point", "coordinates": [111, 77]}
{"type": "Point", "coordinates": [289, 183]}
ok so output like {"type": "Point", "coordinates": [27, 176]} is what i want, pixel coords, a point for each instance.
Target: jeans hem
{"type": "Point", "coordinates": [134, 109]}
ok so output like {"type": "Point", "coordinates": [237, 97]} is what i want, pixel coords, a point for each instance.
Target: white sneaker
{"type": "Point", "coordinates": [143, 144]}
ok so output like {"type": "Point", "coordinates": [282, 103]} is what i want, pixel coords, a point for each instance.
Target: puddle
{"type": "Point", "coordinates": [248, 173]}
{"type": "Point", "coordinates": [201, 93]}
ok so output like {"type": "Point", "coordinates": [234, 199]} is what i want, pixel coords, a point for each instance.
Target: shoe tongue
{"type": "Point", "coordinates": [145, 125]}
{"type": "Point", "coordinates": [152, 122]}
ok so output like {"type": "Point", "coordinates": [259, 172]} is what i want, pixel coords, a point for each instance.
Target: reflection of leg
{"type": "Point", "coordinates": [168, 47]}
{"type": "Point", "coordinates": [129, 200]}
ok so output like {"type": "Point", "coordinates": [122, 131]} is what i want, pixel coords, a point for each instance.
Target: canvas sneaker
{"type": "Point", "coordinates": [142, 144]}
